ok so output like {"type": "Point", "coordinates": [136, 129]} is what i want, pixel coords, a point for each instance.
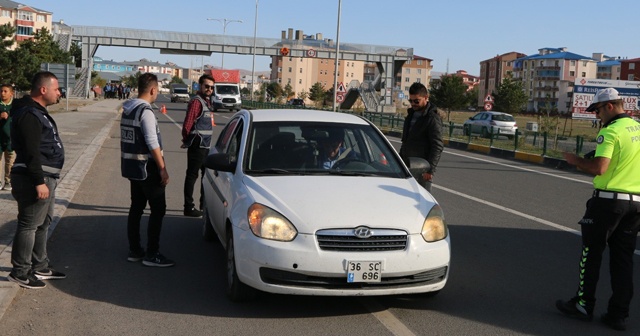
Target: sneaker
{"type": "Point", "coordinates": [135, 256]}
{"type": "Point", "coordinates": [193, 212]}
{"type": "Point", "coordinates": [574, 309]}
{"type": "Point", "coordinates": [49, 273]}
{"type": "Point", "coordinates": [157, 260]}
{"type": "Point", "coordinates": [616, 323]}
{"type": "Point", "coordinates": [28, 281]}
{"type": "Point", "coordinates": [7, 186]}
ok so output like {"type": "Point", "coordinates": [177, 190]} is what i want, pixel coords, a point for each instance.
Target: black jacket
{"type": "Point", "coordinates": [424, 139]}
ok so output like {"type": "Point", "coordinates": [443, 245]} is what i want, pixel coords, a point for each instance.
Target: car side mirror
{"type": "Point", "coordinates": [417, 167]}
{"type": "Point", "coordinates": [221, 162]}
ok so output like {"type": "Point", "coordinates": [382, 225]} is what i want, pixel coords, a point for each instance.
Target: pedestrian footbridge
{"type": "Point", "coordinates": [388, 59]}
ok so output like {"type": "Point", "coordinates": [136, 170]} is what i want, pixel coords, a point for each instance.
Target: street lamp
{"type": "Point", "coordinates": [335, 75]}
{"type": "Point", "coordinates": [253, 63]}
{"type": "Point", "coordinates": [224, 22]}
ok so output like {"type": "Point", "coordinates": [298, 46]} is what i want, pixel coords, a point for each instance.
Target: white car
{"type": "Point", "coordinates": [294, 220]}
{"type": "Point", "coordinates": [491, 122]}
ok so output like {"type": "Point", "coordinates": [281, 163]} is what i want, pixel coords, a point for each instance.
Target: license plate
{"type": "Point", "coordinates": [364, 271]}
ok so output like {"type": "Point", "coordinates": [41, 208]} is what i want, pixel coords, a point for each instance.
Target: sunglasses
{"type": "Point", "coordinates": [207, 87]}
{"type": "Point", "coordinates": [597, 109]}
{"type": "Point", "coordinates": [414, 101]}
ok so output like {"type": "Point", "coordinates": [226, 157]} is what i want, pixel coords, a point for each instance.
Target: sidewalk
{"type": "Point", "coordinates": [83, 133]}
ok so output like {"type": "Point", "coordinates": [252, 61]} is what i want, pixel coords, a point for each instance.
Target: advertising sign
{"type": "Point", "coordinates": [585, 89]}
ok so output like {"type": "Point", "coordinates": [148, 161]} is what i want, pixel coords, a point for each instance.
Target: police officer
{"type": "Point", "coordinates": [39, 160]}
{"type": "Point", "coordinates": [143, 164]}
{"type": "Point", "coordinates": [197, 129]}
{"type": "Point", "coordinates": [613, 212]}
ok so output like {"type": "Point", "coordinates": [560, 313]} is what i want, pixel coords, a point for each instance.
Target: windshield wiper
{"type": "Point", "coordinates": [348, 173]}
{"type": "Point", "coordinates": [270, 171]}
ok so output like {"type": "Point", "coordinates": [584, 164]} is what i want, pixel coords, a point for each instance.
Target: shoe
{"type": "Point", "coordinates": [616, 323]}
{"type": "Point", "coordinates": [157, 260]}
{"type": "Point", "coordinates": [49, 274]}
{"type": "Point", "coordinates": [135, 256]}
{"type": "Point", "coordinates": [28, 281]}
{"type": "Point", "coordinates": [7, 186]}
{"type": "Point", "coordinates": [574, 309]}
{"type": "Point", "coordinates": [193, 212]}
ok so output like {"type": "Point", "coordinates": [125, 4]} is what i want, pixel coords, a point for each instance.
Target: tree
{"type": "Point", "coordinates": [509, 96]}
{"type": "Point", "coordinates": [245, 91]}
{"type": "Point", "coordinates": [176, 80]}
{"type": "Point", "coordinates": [275, 91]}
{"type": "Point", "coordinates": [472, 97]}
{"type": "Point", "coordinates": [6, 31]}
{"type": "Point", "coordinates": [288, 91]}
{"type": "Point", "coordinates": [131, 81]}
{"type": "Point", "coordinates": [449, 94]}
{"type": "Point", "coordinates": [303, 95]}
{"type": "Point", "coordinates": [316, 93]}
{"type": "Point", "coordinates": [76, 52]}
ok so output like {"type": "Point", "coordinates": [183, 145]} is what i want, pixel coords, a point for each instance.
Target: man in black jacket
{"type": "Point", "coordinates": [39, 160]}
{"type": "Point", "coordinates": [422, 131]}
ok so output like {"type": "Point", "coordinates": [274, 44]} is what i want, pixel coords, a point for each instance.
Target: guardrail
{"type": "Point", "coordinates": [530, 142]}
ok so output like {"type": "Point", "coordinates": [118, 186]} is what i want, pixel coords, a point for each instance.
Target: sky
{"type": "Point", "coordinates": [455, 34]}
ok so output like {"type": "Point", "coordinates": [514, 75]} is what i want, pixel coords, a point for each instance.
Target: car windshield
{"type": "Point", "coordinates": [227, 89]}
{"type": "Point", "coordinates": [503, 117]}
{"type": "Point", "coordinates": [277, 148]}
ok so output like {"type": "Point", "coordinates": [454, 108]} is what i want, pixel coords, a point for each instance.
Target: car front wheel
{"type": "Point", "coordinates": [208, 234]}
{"type": "Point", "coordinates": [237, 291]}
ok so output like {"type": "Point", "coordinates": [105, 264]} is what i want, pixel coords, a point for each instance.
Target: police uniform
{"type": "Point", "coordinates": [612, 217]}
{"type": "Point", "coordinates": [203, 126]}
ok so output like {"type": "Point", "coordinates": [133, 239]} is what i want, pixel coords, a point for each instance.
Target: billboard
{"type": "Point", "coordinates": [585, 88]}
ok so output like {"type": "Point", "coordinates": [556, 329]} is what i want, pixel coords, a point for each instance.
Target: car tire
{"type": "Point", "coordinates": [237, 291]}
{"type": "Point", "coordinates": [510, 137]}
{"type": "Point", "coordinates": [465, 130]}
{"type": "Point", "coordinates": [208, 234]}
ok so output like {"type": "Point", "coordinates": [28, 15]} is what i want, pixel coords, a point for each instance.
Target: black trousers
{"type": "Point", "coordinates": [195, 167]}
{"type": "Point", "coordinates": [614, 223]}
{"type": "Point", "coordinates": [151, 191]}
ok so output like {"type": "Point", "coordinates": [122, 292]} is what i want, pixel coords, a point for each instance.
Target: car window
{"type": "Point", "coordinates": [225, 136]}
{"type": "Point", "coordinates": [503, 117]}
{"type": "Point", "coordinates": [234, 143]}
{"type": "Point", "coordinates": [319, 148]}
{"type": "Point", "coordinates": [478, 116]}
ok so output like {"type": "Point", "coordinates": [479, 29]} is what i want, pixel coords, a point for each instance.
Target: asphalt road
{"type": "Point", "coordinates": [515, 251]}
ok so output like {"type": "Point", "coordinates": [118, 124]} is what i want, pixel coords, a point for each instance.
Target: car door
{"type": "Point", "coordinates": [476, 122]}
{"type": "Point", "coordinates": [217, 188]}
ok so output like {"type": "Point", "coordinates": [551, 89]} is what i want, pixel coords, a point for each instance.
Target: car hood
{"type": "Point", "coordinates": [312, 203]}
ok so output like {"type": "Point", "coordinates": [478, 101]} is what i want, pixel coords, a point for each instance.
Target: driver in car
{"type": "Point", "coordinates": [332, 149]}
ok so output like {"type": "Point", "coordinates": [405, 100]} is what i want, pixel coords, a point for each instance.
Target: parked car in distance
{"type": "Point", "coordinates": [491, 122]}
{"type": "Point", "coordinates": [311, 202]}
{"type": "Point", "coordinates": [296, 102]}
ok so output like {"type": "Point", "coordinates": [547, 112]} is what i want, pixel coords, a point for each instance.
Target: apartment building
{"type": "Point", "coordinates": [417, 70]}
{"type": "Point", "coordinates": [470, 81]}
{"type": "Point", "coordinates": [608, 67]}
{"type": "Point", "coordinates": [548, 77]}
{"type": "Point", "coordinates": [493, 71]}
{"type": "Point", "coordinates": [630, 69]}
{"type": "Point", "coordinates": [301, 73]}
{"type": "Point", "coordinates": [25, 19]}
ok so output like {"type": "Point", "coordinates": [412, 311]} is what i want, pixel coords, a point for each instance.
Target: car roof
{"type": "Point", "coordinates": [304, 115]}
{"type": "Point", "coordinates": [496, 112]}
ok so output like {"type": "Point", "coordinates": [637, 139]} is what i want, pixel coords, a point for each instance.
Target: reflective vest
{"type": "Point", "coordinates": [202, 126]}
{"type": "Point", "coordinates": [134, 150]}
{"type": "Point", "coordinates": [51, 149]}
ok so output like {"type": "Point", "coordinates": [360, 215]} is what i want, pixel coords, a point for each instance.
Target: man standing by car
{"type": "Point", "coordinates": [143, 164]}
{"type": "Point", "coordinates": [613, 212]}
{"type": "Point", "coordinates": [197, 129]}
{"type": "Point", "coordinates": [39, 160]}
{"type": "Point", "coordinates": [422, 132]}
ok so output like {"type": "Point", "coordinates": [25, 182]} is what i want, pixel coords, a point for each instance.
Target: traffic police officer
{"type": "Point", "coordinates": [613, 213]}
{"type": "Point", "coordinates": [197, 129]}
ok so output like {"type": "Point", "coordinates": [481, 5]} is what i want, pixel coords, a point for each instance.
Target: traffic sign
{"type": "Point", "coordinates": [341, 88]}
{"type": "Point", "coordinates": [488, 99]}
{"type": "Point", "coordinates": [340, 97]}
{"type": "Point", "coordinates": [311, 53]}
{"type": "Point", "coordinates": [401, 95]}
{"type": "Point", "coordinates": [488, 106]}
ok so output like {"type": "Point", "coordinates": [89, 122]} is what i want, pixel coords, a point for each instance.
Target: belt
{"type": "Point", "coordinates": [616, 195]}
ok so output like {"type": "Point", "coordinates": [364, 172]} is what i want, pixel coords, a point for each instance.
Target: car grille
{"type": "Point", "coordinates": [345, 240]}
{"type": "Point", "coordinates": [229, 100]}
{"type": "Point", "coordinates": [287, 278]}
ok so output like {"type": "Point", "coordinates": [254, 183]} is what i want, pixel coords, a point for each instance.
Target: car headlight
{"type": "Point", "coordinates": [434, 227]}
{"type": "Point", "coordinates": [269, 224]}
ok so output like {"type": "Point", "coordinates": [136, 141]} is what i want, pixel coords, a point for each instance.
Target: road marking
{"type": "Point", "coordinates": [392, 323]}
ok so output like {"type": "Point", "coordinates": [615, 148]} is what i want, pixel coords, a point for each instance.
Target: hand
{"type": "Point", "coordinates": [42, 191]}
{"type": "Point", "coordinates": [571, 158]}
{"type": "Point", "coordinates": [427, 176]}
{"type": "Point", "coordinates": [164, 177]}
{"type": "Point", "coordinates": [4, 115]}
{"type": "Point", "coordinates": [184, 146]}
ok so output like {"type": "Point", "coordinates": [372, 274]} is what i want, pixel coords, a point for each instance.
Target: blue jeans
{"type": "Point", "coordinates": [34, 217]}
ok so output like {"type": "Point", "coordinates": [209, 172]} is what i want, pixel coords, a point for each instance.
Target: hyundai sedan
{"type": "Point", "coordinates": [319, 203]}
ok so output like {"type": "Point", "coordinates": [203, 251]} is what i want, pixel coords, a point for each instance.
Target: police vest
{"type": "Point", "coordinates": [133, 147]}
{"type": "Point", "coordinates": [51, 149]}
{"type": "Point", "coordinates": [202, 127]}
